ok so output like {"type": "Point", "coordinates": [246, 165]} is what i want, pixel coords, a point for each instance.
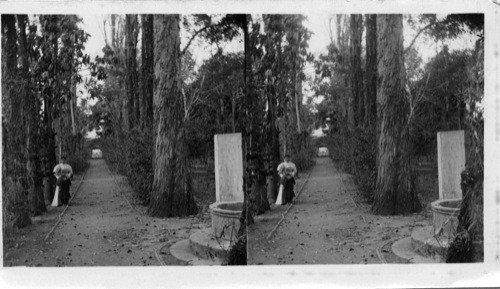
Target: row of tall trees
{"type": "Point", "coordinates": [164, 111]}
{"type": "Point", "coordinates": [155, 108]}
{"type": "Point", "coordinates": [388, 112]}
{"type": "Point", "coordinates": [41, 61]}
{"type": "Point", "coordinates": [154, 121]}
{"type": "Point", "coordinates": [276, 54]}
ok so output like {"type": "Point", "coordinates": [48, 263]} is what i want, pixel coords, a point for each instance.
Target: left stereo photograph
{"type": "Point", "coordinates": [123, 140]}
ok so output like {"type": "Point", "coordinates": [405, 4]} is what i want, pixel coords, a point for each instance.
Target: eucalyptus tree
{"type": "Point", "coordinates": [171, 194]}
{"type": "Point", "coordinates": [356, 76]}
{"type": "Point", "coordinates": [14, 186]}
{"type": "Point", "coordinates": [371, 70]}
{"type": "Point", "coordinates": [172, 189]}
{"type": "Point", "coordinates": [395, 191]}
{"type": "Point", "coordinates": [61, 43]}
{"type": "Point", "coordinates": [147, 65]}
{"type": "Point", "coordinates": [275, 58]}
{"type": "Point", "coordinates": [32, 108]}
{"type": "Point", "coordinates": [43, 59]}
{"type": "Point", "coordinates": [132, 81]}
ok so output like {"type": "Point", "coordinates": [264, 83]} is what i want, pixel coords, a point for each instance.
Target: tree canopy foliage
{"type": "Point", "coordinates": [41, 120]}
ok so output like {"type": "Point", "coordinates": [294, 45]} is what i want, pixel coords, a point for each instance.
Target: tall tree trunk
{"type": "Point", "coordinates": [275, 141]}
{"type": "Point", "coordinates": [233, 109]}
{"type": "Point", "coordinates": [147, 86]}
{"type": "Point", "coordinates": [131, 28]}
{"type": "Point", "coordinates": [50, 100]}
{"type": "Point", "coordinates": [276, 99]}
{"type": "Point", "coordinates": [9, 72]}
{"type": "Point", "coordinates": [172, 190]}
{"type": "Point", "coordinates": [298, 101]}
{"type": "Point", "coordinates": [13, 161]}
{"type": "Point", "coordinates": [371, 71]}
{"type": "Point", "coordinates": [247, 73]}
{"type": "Point", "coordinates": [297, 80]}
{"type": "Point", "coordinates": [72, 108]}
{"type": "Point", "coordinates": [343, 43]}
{"type": "Point", "coordinates": [394, 193]}
{"type": "Point", "coordinates": [32, 106]}
{"type": "Point", "coordinates": [113, 32]}
{"type": "Point", "coordinates": [356, 70]}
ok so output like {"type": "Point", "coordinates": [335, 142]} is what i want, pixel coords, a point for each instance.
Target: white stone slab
{"type": "Point", "coordinates": [228, 155]}
{"type": "Point", "coordinates": [451, 163]}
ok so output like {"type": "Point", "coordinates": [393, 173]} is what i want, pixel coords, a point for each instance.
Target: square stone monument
{"type": "Point", "coordinates": [228, 158]}
{"type": "Point", "coordinates": [451, 163]}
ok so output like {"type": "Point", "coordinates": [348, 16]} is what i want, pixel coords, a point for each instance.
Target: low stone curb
{"type": "Point", "coordinates": [203, 245]}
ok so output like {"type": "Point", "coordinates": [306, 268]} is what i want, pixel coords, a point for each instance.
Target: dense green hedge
{"type": "Point", "coordinates": [357, 155]}
{"type": "Point", "coordinates": [304, 159]}
{"type": "Point", "coordinates": [131, 154]}
{"type": "Point", "coordinates": [78, 161]}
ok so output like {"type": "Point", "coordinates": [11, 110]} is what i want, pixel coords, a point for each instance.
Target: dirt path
{"type": "Point", "coordinates": [327, 224]}
{"type": "Point", "coordinates": [102, 226]}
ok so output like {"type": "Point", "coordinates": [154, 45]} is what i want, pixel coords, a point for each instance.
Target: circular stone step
{"type": "Point", "coordinates": [426, 244]}
{"type": "Point", "coordinates": [182, 251]}
{"type": "Point", "coordinates": [404, 249]}
{"type": "Point", "coordinates": [203, 244]}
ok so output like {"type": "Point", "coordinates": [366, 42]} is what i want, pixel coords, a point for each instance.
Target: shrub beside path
{"type": "Point", "coordinates": [327, 224]}
{"type": "Point", "coordinates": [103, 226]}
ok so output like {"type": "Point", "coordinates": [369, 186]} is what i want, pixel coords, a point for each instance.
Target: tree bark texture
{"type": "Point", "coordinates": [147, 85]}
{"type": "Point", "coordinates": [343, 43]}
{"type": "Point", "coordinates": [356, 29]}
{"type": "Point", "coordinates": [131, 29]}
{"type": "Point", "coordinates": [255, 99]}
{"type": "Point", "coordinates": [31, 108]}
{"type": "Point", "coordinates": [297, 89]}
{"type": "Point", "coordinates": [16, 208]}
{"type": "Point", "coordinates": [394, 193]}
{"type": "Point", "coordinates": [171, 195]}
{"type": "Point", "coordinates": [10, 102]}
{"type": "Point", "coordinates": [274, 140]}
{"type": "Point", "coordinates": [371, 71]}
{"type": "Point", "coordinates": [247, 71]}
{"type": "Point", "coordinates": [298, 101]}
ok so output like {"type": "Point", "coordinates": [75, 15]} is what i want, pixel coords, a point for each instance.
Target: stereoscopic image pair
{"type": "Point", "coordinates": [236, 139]}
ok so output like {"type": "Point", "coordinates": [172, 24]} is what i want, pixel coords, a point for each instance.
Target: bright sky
{"type": "Point", "coordinates": [318, 24]}
{"type": "Point", "coordinates": [201, 50]}
{"type": "Point", "coordinates": [93, 24]}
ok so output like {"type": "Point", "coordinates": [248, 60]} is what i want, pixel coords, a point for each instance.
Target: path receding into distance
{"type": "Point", "coordinates": [100, 228]}
{"type": "Point", "coordinates": [327, 224]}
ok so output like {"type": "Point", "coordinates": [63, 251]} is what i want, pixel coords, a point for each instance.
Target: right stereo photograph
{"type": "Point", "coordinates": [366, 139]}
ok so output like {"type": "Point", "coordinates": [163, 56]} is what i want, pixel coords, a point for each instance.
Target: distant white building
{"type": "Point", "coordinates": [323, 152]}
{"type": "Point", "coordinates": [96, 154]}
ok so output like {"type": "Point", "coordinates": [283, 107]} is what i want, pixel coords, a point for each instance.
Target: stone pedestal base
{"type": "Point", "coordinates": [202, 248]}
